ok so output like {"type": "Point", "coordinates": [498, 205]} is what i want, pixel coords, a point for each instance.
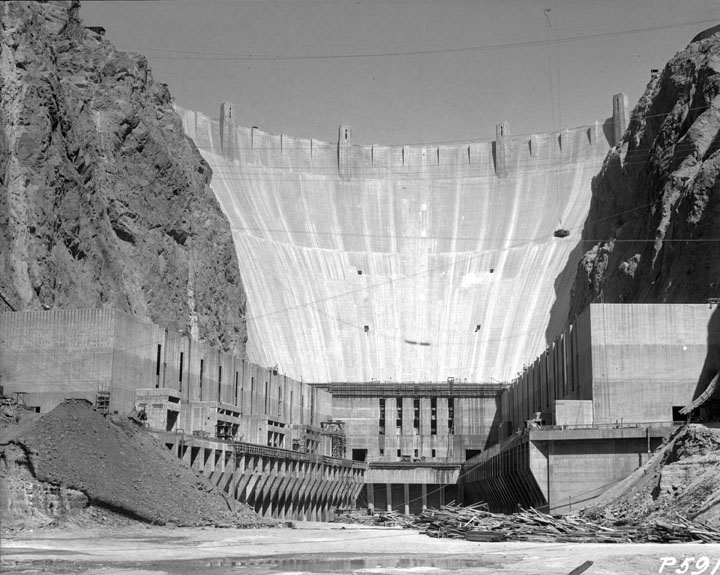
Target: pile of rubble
{"type": "Point", "coordinates": [681, 478]}
{"type": "Point", "coordinates": [74, 457]}
{"type": "Point", "coordinates": [475, 524]}
{"type": "Point", "coordinates": [377, 519]}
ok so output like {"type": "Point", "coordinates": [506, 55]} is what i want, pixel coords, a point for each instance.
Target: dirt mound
{"type": "Point", "coordinates": [681, 478]}
{"type": "Point", "coordinates": [119, 467]}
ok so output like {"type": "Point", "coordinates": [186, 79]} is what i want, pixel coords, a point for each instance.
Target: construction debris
{"type": "Point", "coordinates": [475, 524]}
{"type": "Point", "coordinates": [378, 518]}
{"type": "Point", "coordinates": [703, 397]}
{"type": "Point", "coordinates": [13, 408]}
{"type": "Point", "coordinates": [673, 498]}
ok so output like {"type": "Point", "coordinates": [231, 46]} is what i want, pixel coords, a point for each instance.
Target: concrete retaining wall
{"type": "Point", "coordinates": [54, 355]}
{"type": "Point", "coordinates": [633, 362]}
{"type": "Point", "coordinates": [646, 359]}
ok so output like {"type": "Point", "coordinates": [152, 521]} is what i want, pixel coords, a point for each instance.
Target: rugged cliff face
{"type": "Point", "coordinates": [653, 231]}
{"type": "Point", "coordinates": [103, 200]}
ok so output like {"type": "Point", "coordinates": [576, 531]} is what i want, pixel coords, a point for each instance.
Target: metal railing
{"type": "Point", "coordinates": [409, 389]}
{"type": "Point", "coordinates": [616, 425]}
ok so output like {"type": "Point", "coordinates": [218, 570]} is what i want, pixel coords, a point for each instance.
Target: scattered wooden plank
{"type": "Point", "coordinates": [491, 536]}
{"type": "Point", "coordinates": [455, 521]}
{"type": "Point", "coordinates": [581, 568]}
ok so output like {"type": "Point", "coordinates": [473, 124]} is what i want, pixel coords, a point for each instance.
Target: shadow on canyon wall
{"type": "Point", "coordinates": [711, 366]}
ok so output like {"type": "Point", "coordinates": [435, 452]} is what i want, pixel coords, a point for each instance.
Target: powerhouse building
{"type": "Point", "coordinates": [582, 416]}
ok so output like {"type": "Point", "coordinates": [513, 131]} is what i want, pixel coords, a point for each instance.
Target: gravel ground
{"type": "Point", "coordinates": [321, 548]}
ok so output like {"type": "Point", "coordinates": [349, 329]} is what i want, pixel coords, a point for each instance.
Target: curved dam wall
{"type": "Point", "coordinates": [407, 263]}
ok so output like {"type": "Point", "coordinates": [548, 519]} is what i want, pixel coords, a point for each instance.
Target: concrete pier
{"type": "Point", "coordinates": [557, 471]}
{"type": "Point", "coordinates": [277, 483]}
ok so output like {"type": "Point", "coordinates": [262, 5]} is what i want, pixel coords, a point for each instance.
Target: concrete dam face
{"type": "Point", "coordinates": [404, 264]}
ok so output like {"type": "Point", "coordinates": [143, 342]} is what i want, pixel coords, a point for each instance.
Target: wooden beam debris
{"type": "Point", "coordinates": [474, 523]}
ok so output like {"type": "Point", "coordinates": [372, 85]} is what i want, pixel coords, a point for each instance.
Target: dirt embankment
{"type": "Point", "coordinates": [681, 478]}
{"type": "Point", "coordinates": [74, 457]}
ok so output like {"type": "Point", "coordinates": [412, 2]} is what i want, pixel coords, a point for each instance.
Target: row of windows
{"type": "Point", "coordinates": [416, 415]}
{"type": "Point", "coordinates": [417, 452]}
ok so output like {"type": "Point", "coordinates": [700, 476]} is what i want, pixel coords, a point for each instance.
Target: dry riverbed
{"type": "Point", "coordinates": [324, 548]}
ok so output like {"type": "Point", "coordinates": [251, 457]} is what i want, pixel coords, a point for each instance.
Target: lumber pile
{"type": "Point", "coordinates": [475, 523]}
{"type": "Point", "coordinates": [379, 518]}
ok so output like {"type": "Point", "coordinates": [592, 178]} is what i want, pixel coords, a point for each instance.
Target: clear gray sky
{"type": "Point", "coordinates": [404, 71]}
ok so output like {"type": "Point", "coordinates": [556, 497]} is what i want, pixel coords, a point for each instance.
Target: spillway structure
{"type": "Point", "coordinates": [413, 263]}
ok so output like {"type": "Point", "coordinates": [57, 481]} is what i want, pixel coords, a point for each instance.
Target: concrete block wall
{"type": "Point", "coordinates": [55, 355]}
{"type": "Point", "coordinates": [162, 407]}
{"type": "Point", "coordinates": [563, 371]}
{"type": "Point", "coordinates": [475, 426]}
{"type": "Point", "coordinates": [407, 498]}
{"type": "Point", "coordinates": [135, 360]}
{"type": "Point", "coordinates": [572, 412]}
{"type": "Point", "coordinates": [579, 465]}
{"type": "Point", "coordinates": [632, 362]}
{"type": "Point", "coordinates": [646, 359]}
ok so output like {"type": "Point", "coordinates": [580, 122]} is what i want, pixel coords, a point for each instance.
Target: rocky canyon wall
{"type": "Point", "coordinates": [653, 230]}
{"type": "Point", "coordinates": [104, 202]}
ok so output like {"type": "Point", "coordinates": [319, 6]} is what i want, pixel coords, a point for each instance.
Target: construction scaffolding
{"type": "Point", "coordinates": [335, 429]}
{"type": "Point", "coordinates": [102, 401]}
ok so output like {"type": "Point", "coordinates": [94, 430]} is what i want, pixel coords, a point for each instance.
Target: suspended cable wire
{"type": "Point", "coordinates": [220, 56]}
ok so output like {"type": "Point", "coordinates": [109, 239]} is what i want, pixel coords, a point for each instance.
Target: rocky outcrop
{"type": "Point", "coordinates": [653, 231]}
{"type": "Point", "coordinates": [103, 200]}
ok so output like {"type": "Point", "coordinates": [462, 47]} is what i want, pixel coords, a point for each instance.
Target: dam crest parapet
{"type": "Point", "coordinates": [501, 157]}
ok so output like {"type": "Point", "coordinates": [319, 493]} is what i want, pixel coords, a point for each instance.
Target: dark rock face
{"type": "Point", "coordinates": [653, 231]}
{"type": "Point", "coordinates": [103, 200]}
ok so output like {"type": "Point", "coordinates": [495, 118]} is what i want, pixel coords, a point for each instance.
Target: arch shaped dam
{"type": "Point", "coordinates": [408, 263]}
